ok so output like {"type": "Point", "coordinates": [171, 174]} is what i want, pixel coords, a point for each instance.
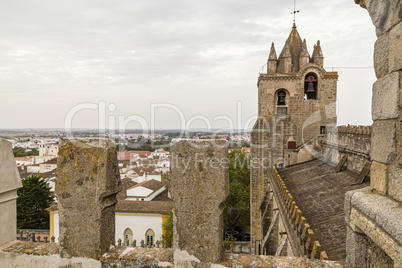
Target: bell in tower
{"type": "Point", "coordinates": [310, 87]}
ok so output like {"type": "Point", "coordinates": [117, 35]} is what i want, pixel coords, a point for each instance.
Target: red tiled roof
{"type": "Point", "coordinates": [144, 206]}
{"type": "Point", "coordinates": [153, 185]}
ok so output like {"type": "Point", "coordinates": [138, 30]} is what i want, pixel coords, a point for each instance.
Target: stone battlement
{"type": "Point", "coordinates": [354, 142]}
{"type": "Point", "coordinates": [298, 231]}
{"type": "Point", "coordinates": [357, 130]}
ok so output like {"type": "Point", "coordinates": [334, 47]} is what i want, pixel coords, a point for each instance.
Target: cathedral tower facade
{"type": "Point", "coordinates": [296, 102]}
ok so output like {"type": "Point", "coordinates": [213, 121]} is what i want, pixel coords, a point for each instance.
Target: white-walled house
{"type": "Point", "coordinates": [160, 153]}
{"type": "Point", "coordinates": [140, 211]}
{"type": "Point", "coordinates": [48, 149]}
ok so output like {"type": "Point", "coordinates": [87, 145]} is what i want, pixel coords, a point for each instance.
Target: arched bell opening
{"type": "Point", "coordinates": [310, 86]}
{"type": "Point", "coordinates": [281, 102]}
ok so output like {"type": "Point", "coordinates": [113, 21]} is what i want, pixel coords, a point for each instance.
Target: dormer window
{"type": "Point", "coordinates": [310, 86]}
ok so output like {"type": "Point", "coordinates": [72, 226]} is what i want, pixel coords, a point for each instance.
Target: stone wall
{"type": "Point", "coordinates": [373, 218]}
{"type": "Point", "coordinates": [199, 184]}
{"type": "Point", "coordinates": [10, 182]}
{"type": "Point", "coordinates": [42, 255]}
{"type": "Point", "coordinates": [352, 141]}
{"type": "Point", "coordinates": [88, 180]}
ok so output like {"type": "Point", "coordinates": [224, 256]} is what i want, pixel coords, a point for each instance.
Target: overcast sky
{"type": "Point", "coordinates": [202, 57]}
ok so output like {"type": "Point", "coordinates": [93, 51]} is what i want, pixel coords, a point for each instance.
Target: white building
{"type": "Point", "coordinates": [48, 149]}
{"type": "Point", "coordinates": [140, 212]}
{"type": "Point", "coordinates": [160, 153]}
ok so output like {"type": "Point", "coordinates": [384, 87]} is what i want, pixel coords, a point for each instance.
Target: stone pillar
{"type": "Point", "coordinates": [9, 183]}
{"type": "Point", "coordinates": [199, 184]}
{"type": "Point", "coordinates": [374, 214]}
{"type": "Point", "coordinates": [88, 180]}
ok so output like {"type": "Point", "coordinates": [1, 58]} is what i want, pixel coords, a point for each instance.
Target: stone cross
{"type": "Point", "coordinates": [10, 181]}
{"type": "Point", "coordinates": [52, 239]}
{"type": "Point", "coordinates": [88, 180]}
{"type": "Point", "coordinates": [199, 184]}
{"type": "Point", "coordinates": [142, 243]}
{"type": "Point", "coordinates": [134, 243]}
{"type": "Point", "coordinates": [45, 238]}
{"type": "Point", "coordinates": [157, 243]}
{"type": "Point", "coordinates": [38, 238]}
{"type": "Point", "coordinates": [119, 242]}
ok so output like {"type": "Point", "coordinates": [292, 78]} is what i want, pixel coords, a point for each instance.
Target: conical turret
{"type": "Point", "coordinates": [318, 57]}
{"type": "Point", "coordinates": [304, 56]}
{"type": "Point", "coordinates": [272, 60]}
{"type": "Point", "coordinates": [293, 49]}
{"type": "Point", "coordinates": [285, 59]}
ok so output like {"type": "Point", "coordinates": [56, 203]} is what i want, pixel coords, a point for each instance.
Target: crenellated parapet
{"type": "Point", "coordinates": [352, 141]}
{"type": "Point", "coordinates": [300, 235]}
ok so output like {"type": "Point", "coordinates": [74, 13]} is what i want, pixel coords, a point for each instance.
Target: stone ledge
{"type": "Point", "coordinates": [22, 253]}
{"type": "Point", "coordinates": [384, 211]}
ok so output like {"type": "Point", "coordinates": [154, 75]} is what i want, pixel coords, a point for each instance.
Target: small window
{"type": "Point", "coordinates": [150, 237]}
{"type": "Point", "coordinates": [310, 86]}
{"type": "Point", "coordinates": [291, 145]}
{"type": "Point", "coordinates": [323, 130]}
{"type": "Point", "coordinates": [128, 237]}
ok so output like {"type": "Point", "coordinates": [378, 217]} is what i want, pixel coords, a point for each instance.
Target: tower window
{"type": "Point", "coordinates": [281, 97]}
{"type": "Point", "coordinates": [310, 86]}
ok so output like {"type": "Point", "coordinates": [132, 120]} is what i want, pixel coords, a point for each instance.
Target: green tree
{"type": "Point", "coordinates": [20, 152]}
{"type": "Point", "coordinates": [237, 209]}
{"type": "Point", "coordinates": [168, 229]}
{"type": "Point", "coordinates": [33, 199]}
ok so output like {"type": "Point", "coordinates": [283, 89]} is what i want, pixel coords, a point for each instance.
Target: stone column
{"type": "Point", "coordinates": [88, 180]}
{"type": "Point", "coordinates": [9, 183]}
{"type": "Point", "coordinates": [199, 184]}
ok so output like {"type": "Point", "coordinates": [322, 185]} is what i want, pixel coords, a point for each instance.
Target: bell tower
{"type": "Point", "coordinates": [296, 102]}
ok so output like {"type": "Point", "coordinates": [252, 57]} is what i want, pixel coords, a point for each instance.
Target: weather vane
{"type": "Point", "coordinates": [294, 11]}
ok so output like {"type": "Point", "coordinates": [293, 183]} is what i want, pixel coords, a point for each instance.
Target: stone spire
{"type": "Point", "coordinates": [272, 60]}
{"type": "Point", "coordinates": [286, 58]}
{"type": "Point", "coordinates": [304, 56]}
{"type": "Point", "coordinates": [318, 57]}
{"type": "Point", "coordinates": [293, 47]}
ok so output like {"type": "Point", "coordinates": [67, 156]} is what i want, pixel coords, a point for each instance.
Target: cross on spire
{"type": "Point", "coordinates": [294, 12]}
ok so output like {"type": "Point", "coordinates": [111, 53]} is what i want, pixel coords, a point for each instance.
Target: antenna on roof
{"type": "Point", "coordinates": [294, 12]}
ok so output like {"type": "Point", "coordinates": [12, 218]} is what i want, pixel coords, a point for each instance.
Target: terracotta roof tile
{"type": "Point", "coordinates": [144, 206]}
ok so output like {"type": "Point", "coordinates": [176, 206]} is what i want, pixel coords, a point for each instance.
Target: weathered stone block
{"type": "Point", "coordinates": [386, 97]}
{"type": "Point", "coordinates": [395, 48]}
{"type": "Point", "coordinates": [383, 13]}
{"type": "Point", "coordinates": [355, 245]}
{"type": "Point", "coordinates": [9, 183]}
{"type": "Point", "coordinates": [395, 181]}
{"type": "Point", "coordinates": [383, 143]}
{"type": "Point", "coordinates": [199, 181]}
{"type": "Point", "coordinates": [88, 180]}
{"type": "Point", "coordinates": [378, 177]}
{"type": "Point", "coordinates": [381, 56]}
{"type": "Point", "coordinates": [348, 200]}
